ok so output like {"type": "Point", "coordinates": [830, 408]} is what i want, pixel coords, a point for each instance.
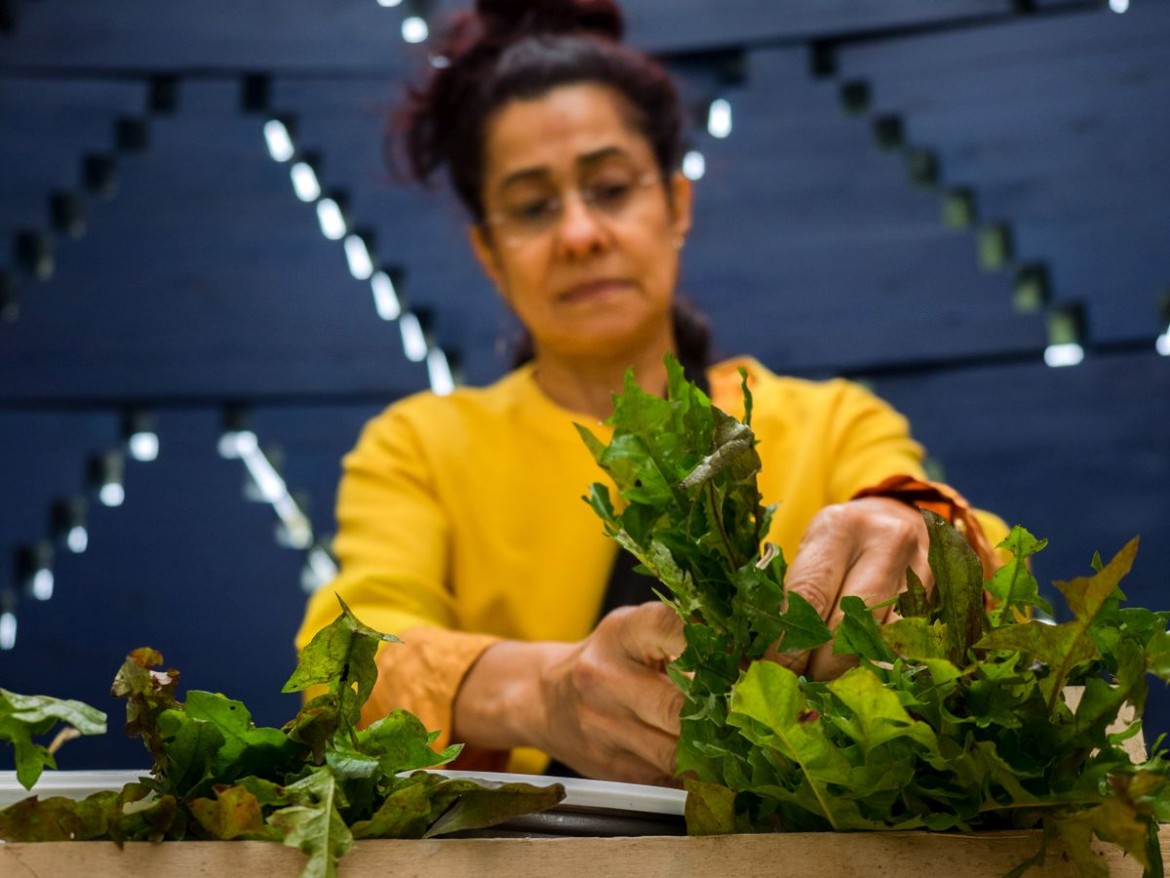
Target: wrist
{"type": "Point", "coordinates": [501, 703]}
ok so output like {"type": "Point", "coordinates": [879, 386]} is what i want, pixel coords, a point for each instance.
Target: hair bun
{"type": "Point", "coordinates": [521, 17]}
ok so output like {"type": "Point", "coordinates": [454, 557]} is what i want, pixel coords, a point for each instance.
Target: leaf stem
{"type": "Point", "coordinates": [718, 515]}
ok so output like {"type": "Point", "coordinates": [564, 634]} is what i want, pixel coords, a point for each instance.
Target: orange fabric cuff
{"type": "Point", "coordinates": [942, 500]}
{"type": "Point", "coordinates": [422, 674]}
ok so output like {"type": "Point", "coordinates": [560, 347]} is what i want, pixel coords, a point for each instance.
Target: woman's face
{"type": "Point", "coordinates": [581, 238]}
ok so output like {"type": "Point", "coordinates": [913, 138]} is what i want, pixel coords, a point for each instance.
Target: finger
{"type": "Point", "coordinates": [650, 634]}
{"type": "Point", "coordinates": [654, 747]}
{"type": "Point", "coordinates": [652, 698]}
{"type": "Point", "coordinates": [877, 575]}
{"type": "Point", "coordinates": [816, 574]}
{"type": "Point", "coordinates": [631, 768]}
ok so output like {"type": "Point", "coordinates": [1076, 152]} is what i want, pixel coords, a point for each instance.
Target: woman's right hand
{"type": "Point", "coordinates": [603, 706]}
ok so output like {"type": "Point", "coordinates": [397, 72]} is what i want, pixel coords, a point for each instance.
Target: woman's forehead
{"type": "Point", "coordinates": [559, 131]}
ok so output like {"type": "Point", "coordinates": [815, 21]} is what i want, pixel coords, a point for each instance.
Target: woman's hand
{"type": "Point", "coordinates": [860, 548]}
{"type": "Point", "coordinates": [603, 706]}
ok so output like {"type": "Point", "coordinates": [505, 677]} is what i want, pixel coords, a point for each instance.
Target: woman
{"type": "Point", "coordinates": [461, 524]}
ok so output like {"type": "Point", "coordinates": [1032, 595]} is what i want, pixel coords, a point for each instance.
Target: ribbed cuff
{"type": "Point", "coordinates": [942, 500]}
{"type": "Point", "coordinates": [422, 674]}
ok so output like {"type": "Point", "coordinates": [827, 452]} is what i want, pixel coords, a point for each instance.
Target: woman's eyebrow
{"type": "Point", "coordinates": [542, 172]}
{"type": "Point", "coordinates": [600, 155]}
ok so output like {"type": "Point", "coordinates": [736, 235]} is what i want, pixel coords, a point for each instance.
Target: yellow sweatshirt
{"type": "Point", "coordinates": [461, 519]}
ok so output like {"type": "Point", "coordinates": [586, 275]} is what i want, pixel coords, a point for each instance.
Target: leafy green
{"type": "Point", "coordinates": [24, 717]}
{"type": "Point", "coordinates": [957, 715]}
{"type": "Point", "coordinates": [316, 784]}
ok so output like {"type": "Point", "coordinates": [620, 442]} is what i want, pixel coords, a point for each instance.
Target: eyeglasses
{"type": "Point", "coordinates": [608, 197]}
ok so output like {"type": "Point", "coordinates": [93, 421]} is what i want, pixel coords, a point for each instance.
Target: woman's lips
{"type": "Point", "coordinates": [593, 290]}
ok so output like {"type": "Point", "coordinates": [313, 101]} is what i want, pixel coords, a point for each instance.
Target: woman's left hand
{"type": "Point", "coordinates": [861, 548]}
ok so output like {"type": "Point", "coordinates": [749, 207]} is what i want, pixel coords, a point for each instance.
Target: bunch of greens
{"type": "Point", "coordinates": [956, 716]}
{"type": "Point", "coordinates": [317, 784]}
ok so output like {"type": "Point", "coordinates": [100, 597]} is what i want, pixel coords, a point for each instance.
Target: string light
{"type": "Point", "coordinates": [143, 447]}
{"type": "Point", "coordinates": [357, 254]}
{"type": "Point", "coordinates": [34, 566]}
{"type": "Point", "coordinates": [77, 540]}
{"type": "Point", "coordinates": [294, 529]}
{"type": "Point", "coordinates": [1066, 333]}
{"type": "Point", "coordinates": [304, 181]}
{"type": "Point", "coordinates": [439, 372]}
{"type": "Point", "coordinates": [42, 584]}
{"type": "Point", "coordinates": [1119, 6]}
{"type": "Point", "coordinates": [386, 300]}
{"type": "Point", "coordinates": [414, 340]}
{"type": "Point", "coordinates": [69, 524]}
{"type": "Point", "coordinates": [234, 444]}
{"type": "Point", "coordinates": [138, 428]}
{"type": "Point", "coordinates": [7, 630]}
{"type": "Point", "coordinates": [694, 165]}
{"type": "Point", "coordinates": [1061, 355]}
{"type": "Point", "coordinates": [106, 472]}
{"type": "Point", "coordinates": [389, 4]}
{"type": "Point", "coordinates": [279, 140]}
{"type": "Point", "coordinates": [1162, 345]}
{"type": "Point", "coordinates": [415, 29]}
{"type": "Point", "coordinates": [320, 569]}
{"type": "Point", "coordinates": [331, 219]}
{"type": "Point", "coordinates": [719, 118]}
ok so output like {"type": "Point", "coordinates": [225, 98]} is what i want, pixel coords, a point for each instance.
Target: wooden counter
{"type": "Point", "coordinates": [888, 855]}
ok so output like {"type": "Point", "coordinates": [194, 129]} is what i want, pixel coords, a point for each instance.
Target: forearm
{"type": "Point", "coordinates": [501, 703]}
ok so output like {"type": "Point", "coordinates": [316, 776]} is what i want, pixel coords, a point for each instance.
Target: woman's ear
{"type": "Point", "coordinates": [682, 205]}
{"type": "Point", "coordinates": [485, 255]}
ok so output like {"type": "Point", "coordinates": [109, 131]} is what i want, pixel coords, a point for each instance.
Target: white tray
{"type": "Point", "coordinates": [579, 793]}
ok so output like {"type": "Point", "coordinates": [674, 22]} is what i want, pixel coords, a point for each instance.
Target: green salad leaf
{"type": "Point", "coordinates": [25, 717]}
{"type": "Point", "coordinates": [317, 784]}
{"type": "Point", "coordinates": [959, 716]}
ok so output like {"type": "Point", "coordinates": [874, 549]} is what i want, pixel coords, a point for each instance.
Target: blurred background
{"type": "Point", "coordinates": [209, 281]}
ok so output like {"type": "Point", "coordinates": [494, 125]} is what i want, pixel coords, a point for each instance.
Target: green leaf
{"type": "Point", "coordinates": [188, 765]}
{"type": "Point", "coordinates": [1013, 586]}
{"type": "Point", "coordinates": [858, 633]}
{"type": "Point", "coordinates": [914, 601]}
{"type": "Point", "coordinates": [148, 693]}
{"type": "Point", "coordinates": [58, 818]}
{"type": "Point", "coordinates": [877, 715]}
{"type": "Point", "coordinates": [313, 824]}
{"type": "Point", "coordinates": [1158, 656]}
{"type": "Point", "coordinates": [37, 709]}
{"type": "Point", "coordinates": [405, 813]}
{"type": "Point", "coordinates": [770, 710]}
{"type": "Point", "coordinates": [917, 638]}
{"type": "Point", "coordinates": [235, 812]}
{"type": "Point", "coordinates": [246, 749]}
{"type": "Point", "coordinates": [480, 804]}
{"type": "Point", "coordinates": [400, 742]}
{"type": "Point", "coordinates": [958, 579]}
{"type": "Point", "coordinates": [341, 656]}
{"type": "Point", "coordinates": [1066, 647]}
{"type": "Point", "coordinates": [710, 808]}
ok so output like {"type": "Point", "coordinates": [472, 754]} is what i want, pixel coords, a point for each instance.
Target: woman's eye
{"type": "Point", "coordinates": [609, 194]}
{"type": "Point", "coordinates": [533, 211]}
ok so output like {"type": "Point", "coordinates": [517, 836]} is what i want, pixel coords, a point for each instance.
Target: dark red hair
{"type": "Point", "coordinates": [509, 50]}
{"type": "Point", "coordinates": [506, 50]}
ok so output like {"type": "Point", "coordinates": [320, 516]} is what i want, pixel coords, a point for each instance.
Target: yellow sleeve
{"type": "Point", "coordinates": [878, 457]}
{"type": "Point", "coordinates": [393, 545]}
{"type": "Point", "coordinates": [870, 441]}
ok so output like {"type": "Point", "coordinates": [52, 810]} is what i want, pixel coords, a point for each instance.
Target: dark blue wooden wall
{"type": "Point", "coordinates": [919, 193]}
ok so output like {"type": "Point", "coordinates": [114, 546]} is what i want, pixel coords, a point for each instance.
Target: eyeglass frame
{"type": "Point", "coordinates": [491, 221]}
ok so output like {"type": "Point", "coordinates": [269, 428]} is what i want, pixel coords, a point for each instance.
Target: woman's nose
{"type": "Point", "coordinates": [579, 229]}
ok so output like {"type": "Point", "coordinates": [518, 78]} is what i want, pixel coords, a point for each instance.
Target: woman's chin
{"type": "Point", "coordinates": [605, 340]}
